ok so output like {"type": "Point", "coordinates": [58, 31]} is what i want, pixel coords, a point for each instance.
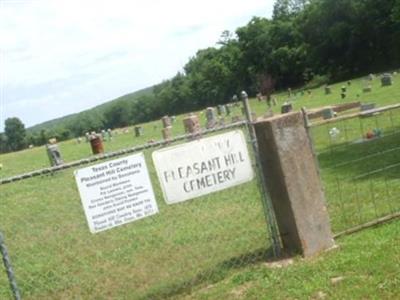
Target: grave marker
{"type": "Point", "coordinates": [211, 117]}
{"type": "Point", "coordinates": [138, 131]}
{"type": "Point", "coordinates": [386, 79]}
{"type": "Point", "coordinates": [54, 155]}
{"type": "Point", "coordinates": [96, 143]}
{"type": "Point", "coordinates": [192, 125]}
{"type": "Point", "coordinates": [327, 90]}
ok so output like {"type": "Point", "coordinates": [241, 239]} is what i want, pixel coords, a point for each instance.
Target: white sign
{"type": "Point", "coordinates": [203, 166]}
{"type": "Point", "coordinates": [116, 192]}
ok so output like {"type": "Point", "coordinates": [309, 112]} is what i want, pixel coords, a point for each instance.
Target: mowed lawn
{"type": "Point", "coordinates": [191, 246]}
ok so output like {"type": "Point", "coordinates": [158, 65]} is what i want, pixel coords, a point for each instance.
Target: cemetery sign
{"type": "Point", "coordinates": [116, 192]}
{"type": "Point", "coordinates": [203, 166]}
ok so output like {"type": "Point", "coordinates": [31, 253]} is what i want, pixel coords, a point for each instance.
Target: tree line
{"type": "Point", "coordinates": [305, 41]}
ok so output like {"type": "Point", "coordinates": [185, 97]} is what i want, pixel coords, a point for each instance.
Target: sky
{"type": "Point", "coordinates": [61, 57]}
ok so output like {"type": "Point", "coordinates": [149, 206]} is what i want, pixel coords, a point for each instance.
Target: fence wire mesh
{"type": "Point", "coordinates": [184, 246]}
{"type": "Point", "coordinates": [359, 158]}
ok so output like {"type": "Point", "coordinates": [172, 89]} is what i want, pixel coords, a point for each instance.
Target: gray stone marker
{"type": "Point", "coordinates": [286, 107]}
{"type": "Point", "coordinates": [386, 79]}
{"type": "Point", "coordinates": [292, 177]}
{"type": "Point", "coordinates": [54, 155]}
{"type": "Point", "coordinates": [327, 90]}
{"type": "Point", "coordinates": [221, 110]}
{"type": "Point", "coordinates": [371, 77]}
{"type": "Point", "coordinates": [109, 133]}
{"type": "Point", "coordinates": [138, 131]}
{"type": "Point", "coordinates": [328, 113]}
{"type": "Point", "coordinates": [228, 109]}
{"type": "Point", "coordinates": [367, 106]}
{"type": "Point", "coordinates": [211, 118]}
{"type": "Point", "coordinates": [367, 88]}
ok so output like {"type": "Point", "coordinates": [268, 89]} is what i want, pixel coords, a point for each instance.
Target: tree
{"type": "Point", "coordinates": [15, 132]}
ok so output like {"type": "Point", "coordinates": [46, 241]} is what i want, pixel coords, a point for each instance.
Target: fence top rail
{"type": "Point", "coordinates": [356, 114]}
{"type": "Point", "coordinates": [117, 153]}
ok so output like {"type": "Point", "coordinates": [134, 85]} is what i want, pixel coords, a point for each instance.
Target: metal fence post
{"type": "Point", "coordinates": [9, 270]}
{"type": "Point", "coordinates": [266, 200]}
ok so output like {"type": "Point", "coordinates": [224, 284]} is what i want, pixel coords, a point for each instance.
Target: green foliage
{"type": "Point", "coordinates": [15, 132]}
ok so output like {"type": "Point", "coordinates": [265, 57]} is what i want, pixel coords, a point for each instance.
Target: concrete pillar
{"type": "Point", "coordinates": [294, 184]}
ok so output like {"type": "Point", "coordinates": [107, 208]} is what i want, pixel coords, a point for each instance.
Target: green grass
{"type": "Point", "coordinates": [368, 263]}
{"type": "Point", "coordinates": [203, 241]}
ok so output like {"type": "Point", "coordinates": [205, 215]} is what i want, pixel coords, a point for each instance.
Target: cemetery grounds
{"type": "Point", "coordinates": [216, 246]}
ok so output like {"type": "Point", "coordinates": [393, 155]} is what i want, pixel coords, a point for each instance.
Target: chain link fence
{"type": "Point", "coordinates": [185, 246]}
{"type": "Point", "coordinates": [359, 159]}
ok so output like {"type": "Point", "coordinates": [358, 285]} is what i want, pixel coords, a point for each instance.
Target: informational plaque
{"type": "Point", "coordinates": [116, 192]}
{"type": "Point", "coordinates": [203, 166]}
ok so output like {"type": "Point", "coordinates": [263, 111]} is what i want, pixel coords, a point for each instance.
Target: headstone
{"type": "Point", "coordinates": [286, 107]}
{"type": "Point", "coordinates": [211, 117]}
{"type": "Point", "coordinates": [109, 132]}
{"type": "Point", "coordinates": [235, 98]}
{"type": "Point", "coordinates": [221, 110]}
{"type": "Point", "coordinates": [167, 133]}
{"type": "Point", "coordinates": [96, 144]}
{"type": "Point", "coordinates": [386, 79]}
{"type": "Point", "coordinates": [166, 121]}
{"type": "Point", "coordinates": [371, 77]}
{"type": "Point", "coordinates": [228, 109]}
{"type": "Point", "coordinates": [367, 88]}
{"type": "Point", "coordinates": [173, 119]}
{"type": "Point", "coordinates": [103, 135]}
{"type": "Point", "coordinates": [327, 90]}
{"type": "Point", "coordinates": [328, 113]}
{"type": "Point", "coordinates": [54, 155]}
{"type": "Point", "coordinates": [192, 125]}
{"type": "Point", "coordinates": [289, 90]}
{"type": "Point", "coordinates": [87, 137]}
{"type": "Point", "coordinates": [138, 131]}
{"type": "Point", "coordinates": [367, 106]}
{"type": "Point", "coordinates": [79, 140]}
